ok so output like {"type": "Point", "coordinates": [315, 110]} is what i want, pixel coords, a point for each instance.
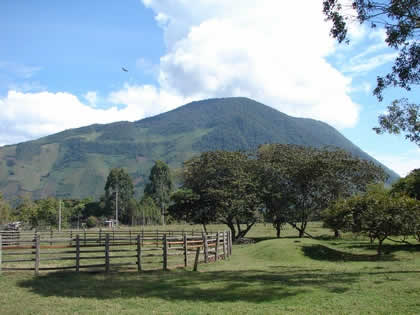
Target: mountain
{"type": "Point", "coordinates": [75, 163]}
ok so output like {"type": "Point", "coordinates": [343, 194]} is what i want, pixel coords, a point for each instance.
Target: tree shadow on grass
{"type": "Point", "coordinates": [258, 239]}
{"type": "Point", "coordinates": [388, 248]}
{"type": "Point", "coordinates": [321, 252]}
{"type": "Point", "coordinates": [223, 286]}
{"type": "Point", "coordinates": [252, 286]}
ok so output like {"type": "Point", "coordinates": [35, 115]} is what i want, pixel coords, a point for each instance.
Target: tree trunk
{"type": "Point", "coordinates": [336, 233]}
{"type": "Point", "coordinates": [232, 229]}
{"type": "Point", "coordinates": [380, 246]}
{"type": "Point", "coordinates": [278, 229]}
{"type": "Point", "coordinates": [301, 232]}
{"type": "Point", "coordinates": [244, 232]}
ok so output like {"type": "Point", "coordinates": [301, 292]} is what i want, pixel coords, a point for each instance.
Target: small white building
{"type": "Point", "coordinates": [110, 223]}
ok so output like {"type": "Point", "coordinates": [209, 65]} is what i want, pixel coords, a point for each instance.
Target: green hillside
{"type": "Point", "coordinates": [74, 163]}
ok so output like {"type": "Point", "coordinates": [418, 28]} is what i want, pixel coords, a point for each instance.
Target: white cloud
{"type": "Point", "coordinates": [272, 51]}
{"type": "Point", "coordinates": [30, 115]}
{"type": "Point", "coordinates": [361, 64]}
{"type": "Point", "coordinates": [265, 51]}
{"type": "Point", "coordinates": [147, 67]}
{"type": "Point", "coordinates": [145, 100]}
{"type": "Point", "coordinates": [91, 97]}
{"type": "Point", "coordinates": [365, 87]}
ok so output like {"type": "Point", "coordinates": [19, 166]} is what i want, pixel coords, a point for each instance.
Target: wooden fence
{"type": "Point", "coordinates": [109, 250]}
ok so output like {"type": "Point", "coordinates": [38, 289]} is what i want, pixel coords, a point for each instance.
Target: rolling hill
{"type": "Point", "coordinates": [75, 163]}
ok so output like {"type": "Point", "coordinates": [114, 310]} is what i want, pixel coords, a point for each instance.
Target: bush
{"type": "Point", "coordinates": [92, 222]}
{"type": "Point", "coordinates": [377, 214]}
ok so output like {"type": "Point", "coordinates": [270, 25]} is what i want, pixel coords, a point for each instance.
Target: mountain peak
{"type": "Point", "coordinates": [75, 163]}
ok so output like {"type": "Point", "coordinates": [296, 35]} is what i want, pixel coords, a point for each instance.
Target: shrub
{"type": "Point", "coordinates": [92, 222]}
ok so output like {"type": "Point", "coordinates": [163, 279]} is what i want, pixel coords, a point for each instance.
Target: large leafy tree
{"type": "Point", "coordinates": [148, 212]}
{"type": "Point", "coordinates": [27, 211]}
{"type": "Point", "coordinates": [4, 210]}
{"type": "Point", "coordinates": [298, 182]}
{"type": "Point", "coordinates": [42, 212]}
{"type": "Point", "coordinates": [48, 212]}
{"type": "Point", "coordinates": [377, 214]}
{"type": "Point", "coordinates": [189, 207]}
{"type": "Point", "coordinates": [160, 186]}
{"type": "Point", "coordinates": [221, 187]}
{"type": "Point", "coordinates": [409, 185]}
{"type": "Point", "coordinates": [401, 20]}
{"type": "Point", "coordinates": [118, 189]}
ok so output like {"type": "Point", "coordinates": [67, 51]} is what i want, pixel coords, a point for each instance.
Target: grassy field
{"type": "Point", "coordinates": [283, 276]}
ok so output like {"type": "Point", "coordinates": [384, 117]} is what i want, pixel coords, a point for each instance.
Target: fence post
{"type": "Point", "coordinates": [107, 252]}
{"type": "Point", "coordinates": [185, 250]}
{"type": "Point", "coordinates": [71, 237]}
{"type": "Point", "coordinates": [37, 253]}
{"type": "Point", "coordinates": [84, 236]}
{"type": "Point", "coordinates": [165, 252]}
{"type": "Point", "coordinates": [51, 236]}
{"type": "Point", "coordinates": [1, 245]}
{"type": "Point", "coordinates": [230, 243]}
{"type": "Point", "coordinates": [206, 248]}
{"type": "Point", "coordinates": [224, 245]}
{"type": "Point", "coordinates": [100, 236]}
{"type": "Point", "coordinates": [142, 237]}
{"type": "Point", "coordinates": [217, 247]}
{"type": "Point", "coordinates": [129, 231]}
{"type": "Point", "coordinates": [77, 253]}
{"type": "Point", "coordinates": [139, 267]}
{"type": "Point", "coordinates": [197, 255]}
{"type": "Point", "coordinates": [227, 243]}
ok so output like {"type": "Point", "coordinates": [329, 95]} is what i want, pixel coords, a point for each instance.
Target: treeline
{"type": "Point", "coordinates": [289, 184]}
{"type": "Point", "coordinates": [118, 199]}
{"type": "Point", "coordinates": [379, 213]}
{"type": "Point", "coordinates": [278, 183]}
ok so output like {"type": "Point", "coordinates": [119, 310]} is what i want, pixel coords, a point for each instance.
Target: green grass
{"type": "Point", "coordinates": [283, 276]}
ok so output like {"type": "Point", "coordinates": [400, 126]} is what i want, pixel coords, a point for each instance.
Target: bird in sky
{"type": "Point", "coordinates": [124, 69]}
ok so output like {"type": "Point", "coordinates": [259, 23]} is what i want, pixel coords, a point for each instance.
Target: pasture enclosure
{"type": "Point", "coordinates": [108, 250]}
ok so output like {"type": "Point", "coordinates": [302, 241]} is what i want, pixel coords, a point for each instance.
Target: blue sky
{"type": "Point", "coordinates": [60, 65]}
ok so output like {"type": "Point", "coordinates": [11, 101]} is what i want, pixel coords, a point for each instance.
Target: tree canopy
{"type": "Point", "coordinates": [160, 186]}
{"type": "Point", "coordinates": [4, 210]}
{"type": "Point", "coordinates": [409, 185]}
{"type": "Point", "coordinates": [298, 182]}
{"type": "Point", "coordinates": [118, 185]}
{"type": "Point", "coordinates": [401, 21]}
{"type": "Point", "coordinates": [220, 186]}
{"type": "Point", "coordinates": [377, 214]}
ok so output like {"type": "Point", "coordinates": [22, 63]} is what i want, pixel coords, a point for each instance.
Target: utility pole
{"type": "Point", "coordinates": [163, 214]}
{"type": "Point", "coordinates": [116, 207]}
{"type": "Point", "coordinates": [161, 201]}
{"type": "Point", "coordinates": [59, 215]}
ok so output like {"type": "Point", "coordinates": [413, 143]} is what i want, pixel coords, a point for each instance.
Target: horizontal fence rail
{"type": "Point", "coordinates": [110, 250]}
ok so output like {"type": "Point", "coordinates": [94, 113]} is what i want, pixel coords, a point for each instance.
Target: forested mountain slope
{"type": "Point", "coordinates": [74, 163]}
